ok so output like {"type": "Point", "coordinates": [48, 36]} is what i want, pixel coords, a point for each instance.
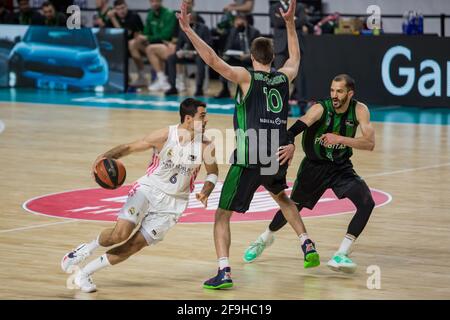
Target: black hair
{"type": "Point", "coordinates": [349, 81]}
{"type": "Point", "coordinates": [189, 108]}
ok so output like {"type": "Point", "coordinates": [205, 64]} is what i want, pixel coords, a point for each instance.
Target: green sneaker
{"type": "Point", "coordinates": [341, 262]}
{"type": "Point", "coordinates": [312, 258]}
{"type": "Point", "coordinates": [256, 248]}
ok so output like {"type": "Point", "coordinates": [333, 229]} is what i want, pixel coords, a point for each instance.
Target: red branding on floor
{"type": "Point", "coordinates": [104, 205]}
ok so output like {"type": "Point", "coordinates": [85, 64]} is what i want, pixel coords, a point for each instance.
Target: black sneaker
{"type": "Point", "coordinates": [221, 281]}
{"type": "Point", "coordinates": [171, 92]}
{"type": "Point", "coordinates": [312, 258]}
{"type": "Point", "coordinates": [223, 94]}
{"type": "Point", "coordinates": [198, 93]}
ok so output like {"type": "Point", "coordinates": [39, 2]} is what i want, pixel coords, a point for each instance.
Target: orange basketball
{"type": "Point", "coordinates": [110, 174]}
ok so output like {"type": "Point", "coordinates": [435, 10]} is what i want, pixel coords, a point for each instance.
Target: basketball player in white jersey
{"type": "Point", "coordinates": [156, 200]}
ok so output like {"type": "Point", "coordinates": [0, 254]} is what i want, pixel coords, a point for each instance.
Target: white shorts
{"type": "Point", "coordinates": [156, 211]}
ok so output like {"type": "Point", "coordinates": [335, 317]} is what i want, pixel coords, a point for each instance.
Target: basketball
{"type": "Point", "coordinates": [110, 174]}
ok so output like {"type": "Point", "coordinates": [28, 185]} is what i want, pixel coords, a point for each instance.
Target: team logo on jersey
{"type": "Point", "coordinates": [173, 179]}
{"type": "Point", "coordinates": [104, 205]}
{"type": "Point", "coordinates": [349, 123]}
{"type": "Point", "coordinates": [132, 211]}
{"type": "Point", "coordinates": [169, 153]}
{"type": "Point", "coordinates": [192, 157]}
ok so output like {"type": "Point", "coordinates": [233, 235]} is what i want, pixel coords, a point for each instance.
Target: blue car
{"type": "Point", "coordinates": [58, 57]}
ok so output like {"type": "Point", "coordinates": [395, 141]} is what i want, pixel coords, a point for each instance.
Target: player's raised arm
{"type": "Point", "coordinates": [364, 142]}
{"type": "Point", "coordinates": [212, 172]}
{"type": "Point", "coordinates": [237, 75]}
{"type": "Point", "coordinates": [154, 140]}
{"type": "Point", "coordinates": [292, 65]}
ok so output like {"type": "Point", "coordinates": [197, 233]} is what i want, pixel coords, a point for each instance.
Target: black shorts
{"type": "Point", "coordinates": [241, 184]}
{"type": "Point", "coordinates": [313, 178]}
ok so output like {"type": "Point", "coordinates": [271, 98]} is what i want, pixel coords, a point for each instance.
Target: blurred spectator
{"type": "Point", "coordinates": [327, 24]}
{"type": "Point", "coordinates": [59, 5]}
{"type": "Point", "coordinates": [221, 32]}
{"type": "Point", "coordinates": [26, 15]}
{"type": "Point", "coordinates": [186, 53]}
{"type": "Point", "coordinates": [52, 17]}
{"type": "Point", "coordinates": [237, 48]}
{"type": "Point", "coordinates": [6, 16]}
{"type": "Point", "coordinates": [243, 7]}
{"type": "Point", "coordinates": [280, 41]}
{"type": "Point", "coordinates": [121, 17]}
{"type": "Point", "coordinates": [101, 18]}
{"type": "Point", "coordinates": [159, 30]}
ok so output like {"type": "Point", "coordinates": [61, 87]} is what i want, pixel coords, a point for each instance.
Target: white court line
{"type": "Point", "coordinates": [37, 226]}
{"type": "Point", "coordinates": [407, 170]}
{"type": "Point", "coordinates": [368, 176]}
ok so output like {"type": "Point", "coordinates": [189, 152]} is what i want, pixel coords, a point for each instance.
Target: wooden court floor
{"type": "Point", "coordinates": [48, 149]}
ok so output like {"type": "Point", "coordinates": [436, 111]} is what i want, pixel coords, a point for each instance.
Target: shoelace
{"type": "Point", "coordinates": [258, 245]}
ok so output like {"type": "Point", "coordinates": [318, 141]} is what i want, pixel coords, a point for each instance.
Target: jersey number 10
{"type": "Point", "coordinates": [271, 106]}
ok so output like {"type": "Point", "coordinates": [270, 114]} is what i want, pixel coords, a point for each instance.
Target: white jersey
{"type": "Point", "coordinates": [173, 170]}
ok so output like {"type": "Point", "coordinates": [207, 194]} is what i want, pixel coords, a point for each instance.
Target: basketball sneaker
{"type": "Point", "coordinates": [257, 248]}
{"type": "Point", "coordinates": [341, 262]}
{"type": "Point", "coordinates": [221, 281]}
{"type": "Point", "coordinates": [312, 258]}
{"type": "Point", "coordinates": [74, 257]}
{"type": "Point", "coordinates": [84, 282]}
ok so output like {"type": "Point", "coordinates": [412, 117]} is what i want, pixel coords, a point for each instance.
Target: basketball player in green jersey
{"type": "Point", "coordinates": [260, 122]}
{"type": "Point", "coordinates": [328, 139]}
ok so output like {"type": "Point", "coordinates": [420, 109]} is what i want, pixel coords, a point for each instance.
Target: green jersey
{"type": "Point", "coordinates": [343, 124]}
{"type": "Point", "coordinates": [260, 119]}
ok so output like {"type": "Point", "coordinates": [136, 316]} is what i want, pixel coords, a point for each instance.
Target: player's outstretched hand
{"type": "Point", "coordinates": [289, 15]}
{"type": "Point", "coordinates": [286, 154]}
{"type": "Point", "coordinates": [183, 17]}
{"type": "Point", "coordinates": [202, 198]}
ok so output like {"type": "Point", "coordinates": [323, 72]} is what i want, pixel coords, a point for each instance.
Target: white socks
{"type": "Point", "coordinates": [91, 246]}
{"type": "Point", "coordinates": [303, 237]}
{"type": "Point", "coordinates": [97, 264]}
{"type": "Point", "coordinates": [346, 244]}
{"type": "Point", "coordinates": [223, 263]}
{"type": "Point", "coordinates": [266, 235]}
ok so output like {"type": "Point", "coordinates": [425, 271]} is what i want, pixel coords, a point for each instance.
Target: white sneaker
{"type": "Point", "coordinates": [256, 248]}
{"type": "Point", "coordinates": [74, 257]}
{"type": "Point", "coordinates": [159, 85]}
{"type": "Point", "coordinates": [341, 262]}
{"type": "Point", "coordinates": [84, 282]}
{"type": "Point", "coordinates": [180, 84]}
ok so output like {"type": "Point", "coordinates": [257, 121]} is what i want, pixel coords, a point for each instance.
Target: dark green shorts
{"type": "Point", "coordinates": [241, 184]}
{"type": "Point", "coordinates": [313, 178]}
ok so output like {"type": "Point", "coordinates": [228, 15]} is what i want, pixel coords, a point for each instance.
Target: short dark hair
{"type": "Point", "coordinates": [189, 108]}
{"type": "Point", "coordinates": [119, 3]}
{"type": "Point", "coordinates": [19, 1]}
{"type": "Point", "coordinates": [349, 81]}
{"type": "Point", "coordinates": [47, 4]}
{"type": "Point", "coordinates": [262, 50]}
